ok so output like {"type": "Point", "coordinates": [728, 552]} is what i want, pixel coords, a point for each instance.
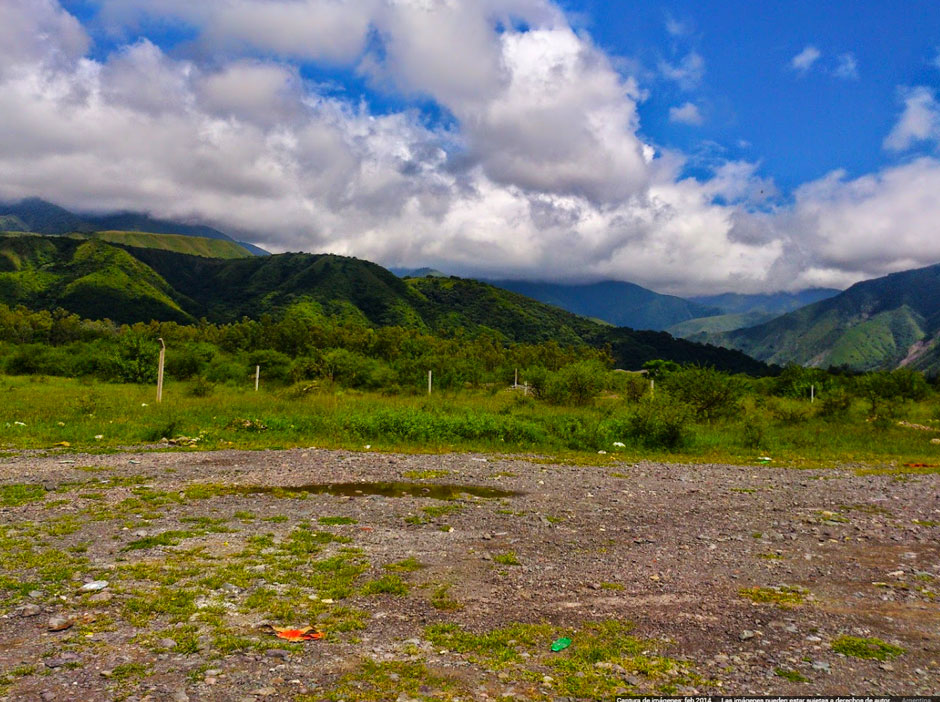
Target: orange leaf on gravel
{"type": "Point", "coordinates": [305, 634]}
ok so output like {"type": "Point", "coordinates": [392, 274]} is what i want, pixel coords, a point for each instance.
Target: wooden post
{"type": "Point", "coordinates": [160, 370]}
{"type": "Point", "coordinates": [525, 389]}
{"type": "Point", "coordinates": [515, 383]}
{"type": "Point", "coordinates": [257, 376]}
{"type": "Point", "coordinates": [812, 394]}
{"type": "Point", "coordinates": [429, 382]}
{"type": "Point", "coordinates": [652, 386]}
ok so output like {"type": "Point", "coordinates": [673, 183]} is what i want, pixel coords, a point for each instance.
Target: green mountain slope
{"type": "Point", "coordinates": [88, 277]}
{"type": "Point", "coordinates": [41, 217]}
{"type": "Point", "coordinates": [192, 245]}
{"type": "Point", "coordinates": [101, 280]}
{"type": "Point", "coordinates": [881, 323]}
{"type": "Point", "coordinates": [618, 303]}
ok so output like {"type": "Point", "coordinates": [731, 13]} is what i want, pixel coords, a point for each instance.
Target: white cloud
{"type": "Point", "coordinates": [804, 60]}
{"type": "Point", "coordinates": [687, 73]}
{"type": "Point", "coordinates": [846, 67]}
{"type": "Point", "coordinates": [544, 173]}
{"type": "Point", "coordinates": [686, 114]}
{"type": "Point", "coordinates": [920, 120]}
{"type": "Point", "coordinates": [677, 28]}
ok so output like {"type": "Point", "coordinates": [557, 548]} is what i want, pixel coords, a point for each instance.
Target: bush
{"type": "Point", "coordinates": [661, 423]}
{"type": "Point", "coordinates": [835, 404]}
{"type": "Point", "coordinates": [708, 392]}
{"type": "Point", "coordinates": [136, 359]}
{"type": "Point", "coordinates": [575, 384]}
{"type": "Point", "coordinates": [200, 387]}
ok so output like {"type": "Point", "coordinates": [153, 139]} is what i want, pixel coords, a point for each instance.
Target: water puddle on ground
{"type": "Point", "coordinates": [386, 489]}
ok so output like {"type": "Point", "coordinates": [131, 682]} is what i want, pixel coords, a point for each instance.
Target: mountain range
{"type": "Point", "coordinates": [98, 279]}
{"type": "Point", "coordinates": [882, 323]}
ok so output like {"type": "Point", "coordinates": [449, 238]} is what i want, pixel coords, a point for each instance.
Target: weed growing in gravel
{"type": "Point", "coordinates": [386, 585]}
{"type": "Point", "coordinates": [441, 599]}
{"type": "Point", "coordinates": [871, 648]}
{"type": "Point", "coordinates": [791, 675]}
{"type": "Point", "coordinates": [336, 521]}
{"type": "Point", "coordinates": [19, 494]}
{"type": "Point", "coordinates": [508, 558]}
{"type": "Point", "coordinates": [407, 565]}
{"type": "Point", "coordinates": [782, 595]}
{"type": "Point", "coordinates": [425, 474]}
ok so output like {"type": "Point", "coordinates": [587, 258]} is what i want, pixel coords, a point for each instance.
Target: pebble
{"type": "Point", "coordinates": [60, 660]}
{"type": "Point", "coordinates": [277, 653]}
{"type": "Point", "coordinates": [101, 597]}
{"type": "Point", "coordinates": [94, 586]}
{"type": "Point", "coordinates": [747, 634]}
{"type": "Point", "coordinates": [180, 696]}
{"type": "Point", "coordinates": [264, 692]}
{"type": "Point", "coordinates": [30, 610]}
{"type": "Point", "coordinates": [59, 623]}
{"type": "Point", "coordinates": [821, 665]}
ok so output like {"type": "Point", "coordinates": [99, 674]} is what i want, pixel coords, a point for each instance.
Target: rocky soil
{"type": "Point", "coordinates": [735, 579]}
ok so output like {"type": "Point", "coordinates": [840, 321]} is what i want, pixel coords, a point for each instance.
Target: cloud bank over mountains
{"type": "Point", "coordinates": [541, 169]}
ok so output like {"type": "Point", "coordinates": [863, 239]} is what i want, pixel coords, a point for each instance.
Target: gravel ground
{"type": "Point", "coordinates": [667, 547]}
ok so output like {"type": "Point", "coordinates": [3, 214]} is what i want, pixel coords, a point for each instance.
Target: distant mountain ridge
{"type": "Point", "coordinates": [739, 311]}
{"type": "Point", "coordinates": [40, 217]}
{"type": "Point", "coordinates": [96, 279]}
{"type": "Point", "coordinates": [876, 324]}
{"type": "Point", "coordinates": [615, 302]}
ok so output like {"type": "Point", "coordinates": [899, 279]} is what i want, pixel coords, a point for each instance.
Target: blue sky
{"type": "Point", "coordinates": [686, 146]}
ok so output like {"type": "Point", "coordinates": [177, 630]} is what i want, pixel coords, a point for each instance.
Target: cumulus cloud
{"type": "Point", "coordinates": [804, 60]}
{"type": "Point", "coordinates": [920, 120]}
{"type": "Point", "coordinates": [542, 173]}
{"type": "Point", "coordinates": [686, 114]}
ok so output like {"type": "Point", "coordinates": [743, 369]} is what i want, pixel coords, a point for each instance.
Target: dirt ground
{"type": "Point", "coordinates": [736, 580]}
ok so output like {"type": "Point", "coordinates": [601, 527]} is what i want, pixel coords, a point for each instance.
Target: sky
{"type": "Point", "coordinates": [691, 147]}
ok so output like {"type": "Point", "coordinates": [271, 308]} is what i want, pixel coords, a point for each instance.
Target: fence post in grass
{"type": "Point", "coordinates": [812, 394]}
{"type": "Point", "coordinates": [429, 382]}
{"type": "Point", "coordinates": [257, 376]}
{"type": "Point", "coordinates": [515, 383]}
{"type": "Point", "coordinates": [652, 386]}
{"type": "Point", "coordinates": [160, 370]}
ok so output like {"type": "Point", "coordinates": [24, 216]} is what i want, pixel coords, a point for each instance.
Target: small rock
{"type": "Point", "coordinates": [264, 692]}
{"type": "Point", "coordinates": [277, 653]}
{"type": "Point", "coordinates": [180, 696]}
{"type": "Point", "coordinates": [821, 665]}
{"type": "Point", "coordinates": [101, 597]}
{"type": "Point", "coordinates": [166, 643]}
{"type": "Point", "coordinates": [30, 610]}
{"type": "Point", "coordinates": [747, 634]}
{"type": "Point", "coordinates": [47, 696]}
{"type": "Point", "coordinates": [34, 594]}
{"type": "Point", "coordinates": [59, 661]}
{"type": "Point", "coordinates": [94, 586]}
{"type": "Point", "coordinates": [59, 623]}
{"type": "Point", "coordinates": [813, 639]}
{"type": "Point", "coordinates": [886, 666]}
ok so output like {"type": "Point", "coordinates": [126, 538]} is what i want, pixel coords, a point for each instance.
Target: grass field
{"type": "Point", "coordinates": [42, 413]}
{"type": "Point", "coordinates": [193, 245]}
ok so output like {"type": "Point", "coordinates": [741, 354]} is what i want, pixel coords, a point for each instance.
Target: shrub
{"type": "Point", "coordinates": [708, 392]}
{"type": "Point", "coordinates": [661, 423]}
{"type": "Point", "coordinates": [200, 387]}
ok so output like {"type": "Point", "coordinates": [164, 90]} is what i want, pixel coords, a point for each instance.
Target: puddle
{"type": "Point", "coordinates": [392, 489]}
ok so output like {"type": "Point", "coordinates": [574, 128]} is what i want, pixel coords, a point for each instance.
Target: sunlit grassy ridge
{"type": "Point", "coordinates": [192, 245]}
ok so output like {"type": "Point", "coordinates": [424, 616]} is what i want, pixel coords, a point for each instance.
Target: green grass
{"type": "Point", "coordinates": [336, 521]}
{"type": "Point", "coordinates": [386, 585]}
{"type": "Point", "coordinates": [508, 558]}
{"type": "Point", "coordinates": [783, 595]}
{"type": "Point", "coordinates": [408, 565]}
{"type": "Point", "coordinates": [193, 245]}
{"type": "Point", "coordinates": [791, 675]}
{"type": "Point", "coordinates": [18, 494]}
{"type": "Point", "coordinates": [57, 409]}
{"type": "Point", "coordinates": [870, 648]}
